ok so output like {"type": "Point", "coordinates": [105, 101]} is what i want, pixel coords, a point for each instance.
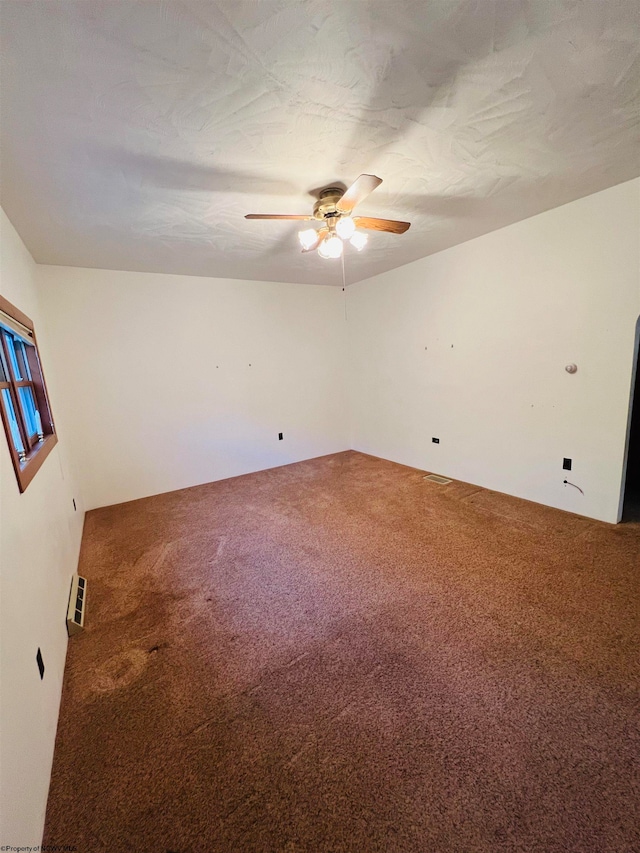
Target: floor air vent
{"type": "Point", "coordinates": [77, 605]}
{"type": "Point", "coordinates": [435, 478]}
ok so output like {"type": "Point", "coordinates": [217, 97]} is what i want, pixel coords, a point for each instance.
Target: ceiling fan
{"type": "Point", "coordinates": [334, 208]}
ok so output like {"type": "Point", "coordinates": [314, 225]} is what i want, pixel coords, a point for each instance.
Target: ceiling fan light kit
{"type": "Point", "coordinates": [334, 208]}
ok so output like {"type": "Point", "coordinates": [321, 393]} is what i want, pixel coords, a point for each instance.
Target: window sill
{"type": "Point", "coordinates": [27, 470]}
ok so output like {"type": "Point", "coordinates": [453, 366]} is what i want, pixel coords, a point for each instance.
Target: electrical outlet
{"type": "Point", "coordinates": [40, 663]}
{"type": "Point", "coordinates": [435, 440]}
{"type": "Point", "coordinates": [279, 436]}
{"type": "Point", "coordinates": [566, 464]}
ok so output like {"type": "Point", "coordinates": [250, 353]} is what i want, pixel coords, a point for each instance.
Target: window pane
{"type": "Point", "coordinates": [13, 358]}
{"type": "Point", "coordinates": [3, 372]}
{"type": "Point", "coordinates": [13, 423]}
{"type": "Point", "coordinates": [31, 415]}
{"type": "Point", "coordinates": [23, 363]}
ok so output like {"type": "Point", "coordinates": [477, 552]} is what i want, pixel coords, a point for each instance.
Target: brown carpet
{"type": "Point", "coordinates": [340, 656]}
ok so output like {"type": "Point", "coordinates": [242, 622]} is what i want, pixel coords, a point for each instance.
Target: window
{"type": "Point", "coordinates": [24, 404]}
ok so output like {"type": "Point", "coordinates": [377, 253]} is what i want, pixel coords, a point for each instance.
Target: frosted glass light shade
{"type": "Point", "coordinates": [331, 247]}
{"type": "Point", "coordinates": [308, 239]}
{"type": "Point", "coordinates": [345, 227]}
{"type": "Point", "coordinates": [359, 240]}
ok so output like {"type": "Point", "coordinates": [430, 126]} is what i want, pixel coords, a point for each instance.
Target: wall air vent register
{"type": "Point", "coordinates": [77, 605]}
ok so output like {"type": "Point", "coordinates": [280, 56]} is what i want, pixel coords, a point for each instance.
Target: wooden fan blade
{"type": "Point", "coordinates": [277, 216]}
{"type": "Point", "coordinates": [358, 191]}
{"type": "Point", "coordinates": [391, 225]}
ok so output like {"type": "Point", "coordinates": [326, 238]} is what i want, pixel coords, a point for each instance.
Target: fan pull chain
{"type": "Point", "coordinates": [344, 287]}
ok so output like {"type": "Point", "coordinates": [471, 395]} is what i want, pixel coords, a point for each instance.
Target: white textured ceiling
{"type": "Point", "coordinates": [136, 135]}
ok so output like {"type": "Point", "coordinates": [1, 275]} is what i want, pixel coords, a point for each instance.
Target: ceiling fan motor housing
{"type": "Point", "coordinates": [325, 207]}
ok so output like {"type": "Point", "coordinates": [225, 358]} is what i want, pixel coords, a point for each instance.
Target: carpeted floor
{"type": "Point", "coordinates": [337, 656]}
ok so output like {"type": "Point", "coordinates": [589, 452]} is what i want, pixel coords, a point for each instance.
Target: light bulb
{"type": "Point", "coordinates": [308, 239]}
{"type": "Point", "coordinates": [359, 240]}
{"type": "Point", "coordinates": [322, 251]}
{"type": "Point", "coordinates": [345, 227]}
{"type": "Point", "coordinates": [331, 247]}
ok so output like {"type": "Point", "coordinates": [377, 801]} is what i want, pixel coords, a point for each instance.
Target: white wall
{"type": "Point", "coordinates": [469, 345]}
{"type": "Point", "coordinates": [172, 381]}
{"type": "Point", "coordinates": [39, 543]}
